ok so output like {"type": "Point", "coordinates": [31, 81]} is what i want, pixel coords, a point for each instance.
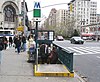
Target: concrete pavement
{"type": "Point", "coordinates": [14, 68]}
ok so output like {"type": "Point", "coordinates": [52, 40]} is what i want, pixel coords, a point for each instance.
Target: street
{"type": "Point", "coordinates": [86, 59]}
{"type": "Point", "coordinates": [42, 22]}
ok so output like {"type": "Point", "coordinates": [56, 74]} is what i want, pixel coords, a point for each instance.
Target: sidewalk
{"type": "Point", "coordinates": [14, 68]}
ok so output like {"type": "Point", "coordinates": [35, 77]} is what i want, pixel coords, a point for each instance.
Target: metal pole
{"type": "Point", "coordinates": [36, 33]}
{"type": "Point", "coordinates": [97, 33]}
{"type": "Point", "coordinates": [36, 38]}
{"type": "Point", "coordinates": [36, 58]}
{"type": "Point", "coordinates": [24, 17]}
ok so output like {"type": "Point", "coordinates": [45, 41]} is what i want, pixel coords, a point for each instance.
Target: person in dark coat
{"type": "Point", "coordinates": [14, 40]}
{"type": "Point", "coordinates": [10, 41]}
{"type": "Point", "coordinates": [5, 41]}
{"type": "Point", "coordinates": [18, 44]}
{"type": "Point", "coordinates": [24, 43]}
{"type": "Point", "coordinates": [43, 53]}
{"type": "Point", "coordinates": [53, 56]}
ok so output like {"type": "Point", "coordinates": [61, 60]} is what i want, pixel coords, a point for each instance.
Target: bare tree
{"type": "Point", "coordinates": [64, 28]}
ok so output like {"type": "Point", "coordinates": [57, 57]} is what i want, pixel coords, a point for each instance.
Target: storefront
{"type": "Point", "coordinates": [87, 36]}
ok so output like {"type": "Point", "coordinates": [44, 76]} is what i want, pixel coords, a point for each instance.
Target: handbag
{"type": "Point", "coordinates": [5, 42]}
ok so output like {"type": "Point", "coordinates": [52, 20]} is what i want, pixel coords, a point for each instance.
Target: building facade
{"type": "Point", "coordinates": [61, 17]}
{"type": "Point", "coordinates": [52, 17]}
{"type": "Point", "coordinates": [11, 15]}
{"type": "Point", "coordinates": [57, 20]}
{"type": "Point", "coordinates": [9, 11]}
{"type": "Point", "coordinates": [84, 11]}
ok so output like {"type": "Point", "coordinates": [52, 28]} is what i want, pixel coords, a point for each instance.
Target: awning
{"type": "Point", "coordinates": [20, 28]}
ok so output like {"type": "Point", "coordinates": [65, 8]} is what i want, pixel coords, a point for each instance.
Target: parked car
{"type": "Point", "coordinates": [87, 38]}
{"type": "Point", "coordinates": [84, 38]}
{"type": "Point", "coordinates": [59, 38]}
{"type": "Point", "coordinates": [76, 40]}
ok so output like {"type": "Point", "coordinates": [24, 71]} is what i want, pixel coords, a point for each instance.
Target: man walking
{"type": "Point", "coordinates": [10, 41]}
{"type": "Point", "coordinates": [18, 44]}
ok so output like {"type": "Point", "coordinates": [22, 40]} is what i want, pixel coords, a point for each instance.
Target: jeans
{"type": "Point", "coordinates": [18, 49]}
{"type": "Point", "coordinates": [24, 46]}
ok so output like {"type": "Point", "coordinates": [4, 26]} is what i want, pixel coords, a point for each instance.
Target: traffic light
{"type": "Point", "coordinates": [71, 7]}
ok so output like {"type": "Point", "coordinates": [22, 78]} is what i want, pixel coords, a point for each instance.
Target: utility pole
{"type": "Point", "coordinates": [97, 32]}
{"type": "Point", "coordinates": [36, 15]}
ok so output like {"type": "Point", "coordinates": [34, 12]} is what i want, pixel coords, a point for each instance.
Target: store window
{"type": "Point", "coordinates": [9, 13]}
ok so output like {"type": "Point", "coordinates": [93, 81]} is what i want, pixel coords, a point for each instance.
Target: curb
{"type": "Point", "coordinates": [48, 73]}
{"type": "Point", "coordinates": [79, 77]}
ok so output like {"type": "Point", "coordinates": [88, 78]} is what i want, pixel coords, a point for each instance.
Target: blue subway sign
{"type": "Point", "coordinates": [37, 5]}
{"type": "Point", "coordinates": [37, 10]}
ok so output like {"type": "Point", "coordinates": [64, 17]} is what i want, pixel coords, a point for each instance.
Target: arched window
{"type": "Point", "coordinates": [10, 13]}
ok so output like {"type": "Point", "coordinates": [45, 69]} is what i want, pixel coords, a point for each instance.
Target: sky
{"type": "Point", "coordinates": [45, 11]}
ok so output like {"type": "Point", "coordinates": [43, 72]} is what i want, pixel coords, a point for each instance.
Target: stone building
{"type": "Point", "coordinates": [9, 11]}
{"type": "Point", "coordinates": [11, 15]}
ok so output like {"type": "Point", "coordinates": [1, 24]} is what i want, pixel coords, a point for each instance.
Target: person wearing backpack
{"type": "Point", "coordinates": [1, 48]}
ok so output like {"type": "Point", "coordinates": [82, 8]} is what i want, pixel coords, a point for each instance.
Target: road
{"type": "Point", "coordinates": [86, 59]}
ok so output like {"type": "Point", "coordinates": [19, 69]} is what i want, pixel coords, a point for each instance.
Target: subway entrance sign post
{"type": "Point", "coordinates": [36, 16]}
{"type": "Point", "coordinates": [37, 13]}
{"type": "Point", "coordinates": [37, 10]}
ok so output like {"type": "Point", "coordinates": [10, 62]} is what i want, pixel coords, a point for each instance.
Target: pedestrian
{"type": "Point", "coordinates": [14, 40]}
{"type": "Point", "coordinates": [32, 49]}
{"type": "Point", "coordinates": [53, 56]}
{"type": "Point", "coordinates": [30, 36]}
{"type": "Point", "coordinates": [10, 41]}
{"type": "Point", "coordinates": [32, 43]}
{"type": "Point", "coordinates": [5, 42]}
{"type": "Point", "coordinates": [18, 44]}
{"type": "Point", "coordinates": [1, 48]}
{"type": "Point", "coordinates": [24, 43]}
{"type": "Point", "coordinates": [44, 52]}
